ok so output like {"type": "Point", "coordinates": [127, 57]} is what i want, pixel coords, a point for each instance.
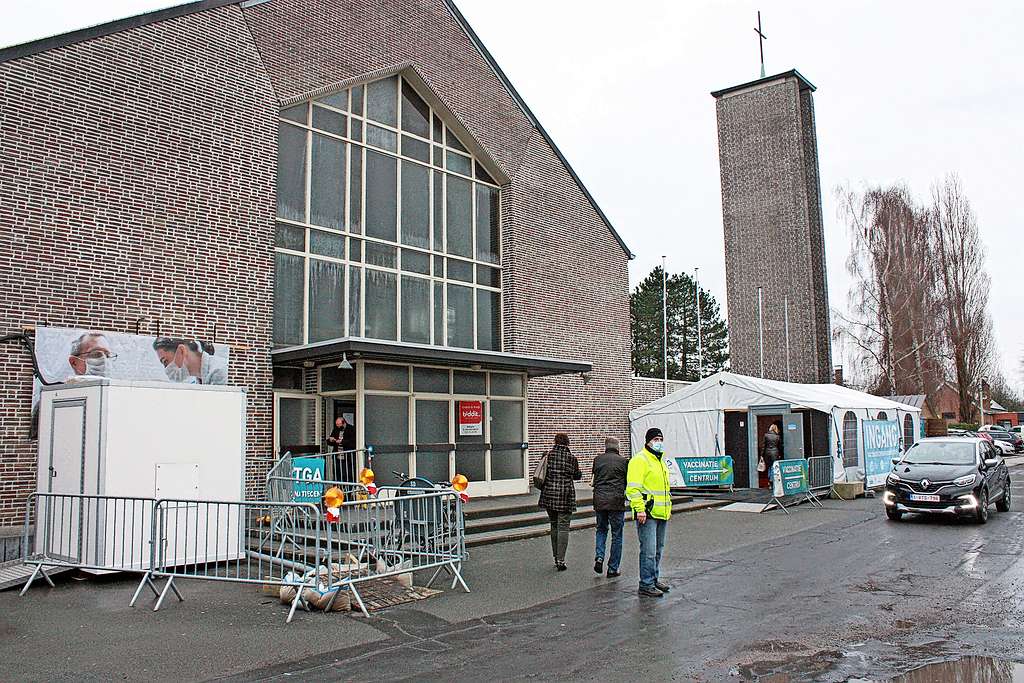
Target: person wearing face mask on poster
{"type": "Point", "coordinates": [91, 356]}
{"type": "Point", "coordinates": [647, 491]}
{"type": "Point", "coordinates": [190, 362]}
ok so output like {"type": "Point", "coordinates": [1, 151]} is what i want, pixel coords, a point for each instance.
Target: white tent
{"type": "Point", "coordinates": [693, 418]}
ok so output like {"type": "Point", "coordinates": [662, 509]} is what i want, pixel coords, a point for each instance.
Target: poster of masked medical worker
{"type": "Point", "coordinates": [69, 354]}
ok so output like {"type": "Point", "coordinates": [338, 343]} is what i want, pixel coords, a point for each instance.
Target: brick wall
{"type": "Point", "coordinates": [136, 181]}
{"type": "Point", "coordinates": [771, 206]}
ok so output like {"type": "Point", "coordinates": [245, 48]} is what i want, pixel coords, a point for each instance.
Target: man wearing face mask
{"type": "Point", "coordinates": [647, 491]}
{"type": "Point", "coordinates": [91, 355]}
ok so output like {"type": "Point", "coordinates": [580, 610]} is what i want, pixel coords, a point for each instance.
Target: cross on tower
{"type": "Point", "coordinates": [761, 39]}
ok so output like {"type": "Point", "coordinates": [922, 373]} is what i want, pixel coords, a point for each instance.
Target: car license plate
{"type": "Point", "coordinates": [924, 498]}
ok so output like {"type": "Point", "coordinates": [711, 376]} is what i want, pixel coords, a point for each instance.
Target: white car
{"type": "Point", "coordinates": [1004, 447]}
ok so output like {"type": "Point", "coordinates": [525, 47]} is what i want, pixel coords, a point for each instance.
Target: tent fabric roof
{"type": "Point", "coordinates": [726, 391]}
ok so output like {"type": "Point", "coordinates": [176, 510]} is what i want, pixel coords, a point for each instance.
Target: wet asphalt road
{"type": "Point", "coordinates": [854, 597]}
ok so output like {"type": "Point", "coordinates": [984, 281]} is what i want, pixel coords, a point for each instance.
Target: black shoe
{"type": "Point", "coordinates": [650, 593]}
{"type": "Point", "coordinates": [663, 587]}
{"type": "Point", "coordinates": [611, 574]}
{"type": "Point", "coordinates": [598, 566]}
{"type": "Point", "coordinates": [560, 566]}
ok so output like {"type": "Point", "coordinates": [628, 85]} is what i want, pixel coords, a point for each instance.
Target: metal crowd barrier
{"type": "Point", "coordinates": [409, 530]}
{"type": "Point", "coordinates": [97, 533]}
{"type": "Point", "coordinates": [819, 472]}
{"type": "Point", "coordinates": [277, 542]}
{"type": "Point", "coordinates": [262, 542]}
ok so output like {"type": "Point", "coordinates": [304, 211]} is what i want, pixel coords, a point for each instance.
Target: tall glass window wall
{"type": "Point", "coordinates": [388, 228]}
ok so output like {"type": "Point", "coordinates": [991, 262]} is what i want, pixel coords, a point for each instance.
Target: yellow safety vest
{"type": "Point", "coordinates": [647, 478]}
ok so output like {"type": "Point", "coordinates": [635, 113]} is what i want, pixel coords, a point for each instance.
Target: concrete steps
{"type": "Point", "coordinates": [518, 517]}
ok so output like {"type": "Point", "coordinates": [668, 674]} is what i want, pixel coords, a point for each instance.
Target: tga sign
{"type": "Point", "coordinates": [307, 478]}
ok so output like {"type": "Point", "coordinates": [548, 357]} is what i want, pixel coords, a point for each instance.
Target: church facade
{"type": "Point", "coordinates": [351, 196]}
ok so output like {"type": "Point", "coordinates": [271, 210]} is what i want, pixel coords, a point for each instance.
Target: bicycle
{"type": "Point", "coordinates": [422, 523]}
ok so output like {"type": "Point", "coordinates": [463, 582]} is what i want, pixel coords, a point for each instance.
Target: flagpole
{"type": "Point", "coordinates": [700, 340]}
{"type": "Point", "coordinates": [664, 324]}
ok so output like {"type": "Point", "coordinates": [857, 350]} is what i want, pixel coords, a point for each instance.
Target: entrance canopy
{"type": "Point", "coordinates": [692, 419]}
{"type": "Point", "coordinates": [368, 349]}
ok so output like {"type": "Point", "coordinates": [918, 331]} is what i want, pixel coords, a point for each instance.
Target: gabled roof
{"type": "Point", "coordinates": [100, 30]}
{"type": "Point", "coordinates": [533, 119]}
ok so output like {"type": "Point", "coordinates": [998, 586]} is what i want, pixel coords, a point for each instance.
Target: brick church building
{"type": "Point", "coordinates": [350, 195]}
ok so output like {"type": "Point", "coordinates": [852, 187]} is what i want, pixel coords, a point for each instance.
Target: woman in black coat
{"type": "Point", "coordinates": [558, 496]}
{"type": "Point", "coordinates": [772, 447]}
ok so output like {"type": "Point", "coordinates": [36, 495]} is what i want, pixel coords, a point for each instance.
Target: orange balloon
{"type": "Point", "coordinates": [460, 482]}
{"type": "Point", "coordinates": [366, 476]}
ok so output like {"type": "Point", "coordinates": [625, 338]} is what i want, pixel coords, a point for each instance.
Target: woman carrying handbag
{"type": "Point", "coordinates": [558, 495]}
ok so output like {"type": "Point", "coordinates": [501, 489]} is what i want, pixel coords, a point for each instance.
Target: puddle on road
{"type": "Point", "coordinates": [966, 670]}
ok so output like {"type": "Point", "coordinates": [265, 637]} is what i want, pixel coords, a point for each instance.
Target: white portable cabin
{"type": "Point", "coordinates": [119, 438]}
{"type": "Point", "coordinates": [693, 419]}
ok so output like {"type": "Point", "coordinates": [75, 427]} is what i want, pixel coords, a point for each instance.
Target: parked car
{"type": "Point", "coordinates": [955, 476]}
{"type": "Point", "coordinates": [980, 435]}
{"type": "Point", "coordinates": [1018, 430]}
{"type": "Point", "coordinates": [1006, 441]}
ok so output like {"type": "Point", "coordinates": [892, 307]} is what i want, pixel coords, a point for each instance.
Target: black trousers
{"type": "Point", "coordinates": [559, 533]}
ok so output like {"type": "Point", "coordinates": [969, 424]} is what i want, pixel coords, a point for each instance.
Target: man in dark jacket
{"type": "Point", "coordinates": [610, 504]}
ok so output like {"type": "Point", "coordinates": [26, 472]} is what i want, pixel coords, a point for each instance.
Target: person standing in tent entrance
{"type": "Point", "coordinates": [771, 450]}
{"type": "Point", "coordinates": [558, 496]}
{"type": "Point", "coordinates": [647, 491]}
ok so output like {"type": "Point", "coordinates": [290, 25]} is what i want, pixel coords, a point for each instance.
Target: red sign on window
{"type": "Point", "coordinates": [471, 418]}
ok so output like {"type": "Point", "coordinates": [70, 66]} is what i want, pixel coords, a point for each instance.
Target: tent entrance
{"type": "Point", "coordinates": [761, 418]}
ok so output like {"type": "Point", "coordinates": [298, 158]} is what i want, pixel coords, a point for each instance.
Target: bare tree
{"type": "Point", "coordinates": [965, 285]}
{"type": "Point", "coordinates": [893, 325]}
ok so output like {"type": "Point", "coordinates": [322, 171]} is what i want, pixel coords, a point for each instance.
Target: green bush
{"type": "Point", "coordinates": [966, 426]}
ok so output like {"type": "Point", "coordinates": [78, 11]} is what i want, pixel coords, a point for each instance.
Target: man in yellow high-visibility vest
{"type": "Point", "coordinates": [647, 491]}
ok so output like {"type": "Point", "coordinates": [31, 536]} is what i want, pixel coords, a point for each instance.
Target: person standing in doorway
{"type": "Point", "coordinates": [340, 436]}
{"type": "Point", "coordinates": [610, 504]}
{"type": "Point", "coordinates": [558, 496]}
{"type": "Point", "coordinates": [771, 449]}
{"type": "Point", "coordinates": [647, 490]}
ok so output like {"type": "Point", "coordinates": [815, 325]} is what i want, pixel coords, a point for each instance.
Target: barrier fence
{"type": "Point", "coordinates": [99, 533]}
{"type": "Point", "coordinates": [267, 543]}
{"type": "Point", "coordinates": [819, 472]}
{"type": "Point", "coordinates": [392, 532]}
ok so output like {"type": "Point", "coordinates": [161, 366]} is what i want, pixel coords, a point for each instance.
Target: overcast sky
{"type": "Point", "coordinates": [907, 92]}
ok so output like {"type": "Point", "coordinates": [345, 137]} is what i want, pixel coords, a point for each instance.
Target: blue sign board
{"type": "Point", "coordinates": [709, 471]}
{"type": "Point", "coordinates": [307, 480]}
{"type": "Point", "coordinates": [881, 445]}
{"type": "Point", "coordinates": [789, 477]}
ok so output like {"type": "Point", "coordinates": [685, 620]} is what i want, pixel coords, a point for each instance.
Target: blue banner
{"type": "Point", "coordinates": [881, 445]}
{"type": "Point", "coordinates": [307, 476]}
{"type": "Point", "coordinates": [789, 477]}
{"type": "Point", "coordinates": [696, 471]}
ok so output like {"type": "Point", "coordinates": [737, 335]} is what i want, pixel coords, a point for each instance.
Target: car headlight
{"type": "Point", "coordinates": [966, 481]}
{"type": "Point", "coordinates": [893, 478]}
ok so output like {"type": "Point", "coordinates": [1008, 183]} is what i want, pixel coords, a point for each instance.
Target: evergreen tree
{"type": "Point", "coordinates": [646, 328]}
